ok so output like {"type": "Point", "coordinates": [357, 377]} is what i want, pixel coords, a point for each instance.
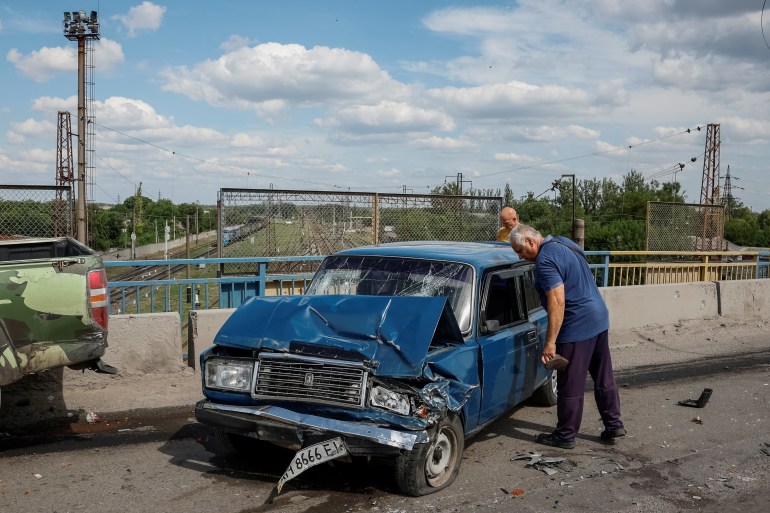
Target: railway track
{"type": "Point", "coordinates": [150, 273]}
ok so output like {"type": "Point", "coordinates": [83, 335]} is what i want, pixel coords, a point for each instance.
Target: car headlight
{"type": "Point", "coordinates": [383, 398]}
{"type": "Point", "coordinates": [232, 375]}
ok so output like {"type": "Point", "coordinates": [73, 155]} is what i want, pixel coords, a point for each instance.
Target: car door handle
{"type": "Point", "coordinates": [532, 336]}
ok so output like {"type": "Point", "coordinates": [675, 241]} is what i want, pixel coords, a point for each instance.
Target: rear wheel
{"type": "Point", "coordinates": [545, 395]}
{"type": "Point", "coordinates": [430, 467]}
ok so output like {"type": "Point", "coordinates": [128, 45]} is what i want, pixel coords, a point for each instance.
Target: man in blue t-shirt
{"type": "Point", "coordinates": [578, 324]}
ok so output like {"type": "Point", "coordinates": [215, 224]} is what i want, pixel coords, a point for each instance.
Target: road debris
{"type": "Point", "coordinates": [700, 402]}
{"type": "Point", "coordinates": [540, 462]}
{"type": "Point", "coordinates": [697, 420]}
{"type": "Point", "coordinates": [766, 449]}
{"type": "Point", "coordinates": [92, 417]}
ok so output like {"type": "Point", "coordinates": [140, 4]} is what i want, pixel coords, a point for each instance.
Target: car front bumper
{"type": "Point", "coordinates": [290, 428]}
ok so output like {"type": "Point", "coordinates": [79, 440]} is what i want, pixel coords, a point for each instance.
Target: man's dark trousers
{"type": "Point", "coordinates": [590, 356]}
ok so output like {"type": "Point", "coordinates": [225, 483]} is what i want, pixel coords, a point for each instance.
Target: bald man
{"type": "Point", "coordinates": [508, 219]}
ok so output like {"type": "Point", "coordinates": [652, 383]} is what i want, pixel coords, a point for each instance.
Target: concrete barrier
{"type": "Point", "coordinates": [144, 343]}
{"type": "Point", "coordinates": [152, 342]}
{"type": "Point", "coordinates": [203, 325]}
{"type": "Point", "coordinates": [747, 299]}
{"type": "Point", "coordinates": [642, 305]}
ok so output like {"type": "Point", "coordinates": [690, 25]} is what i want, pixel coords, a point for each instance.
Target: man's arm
{"type": "Point", "coordinates": [555, 308]}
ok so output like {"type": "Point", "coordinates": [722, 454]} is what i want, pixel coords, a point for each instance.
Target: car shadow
{"type": "Point", "coordinates": [266, 463]}
{"type": "Point", "coordinates": [35, 405]}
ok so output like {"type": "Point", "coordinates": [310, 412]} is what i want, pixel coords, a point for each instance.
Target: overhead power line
{"type": "Point", "coordinates": [330, 186]}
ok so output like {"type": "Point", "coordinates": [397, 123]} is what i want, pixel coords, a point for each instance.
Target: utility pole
{"type": "Point", "coordinates": [578, 226]}
{"type": "Point", "coordinates": [709, 194]}
{"type": "Point", "coordinates": [83, 29]}
{"type": "Point", "coordinates": [63, 218]}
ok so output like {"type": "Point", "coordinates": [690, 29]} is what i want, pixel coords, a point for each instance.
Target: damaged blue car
{"type": "Point", "coordinates": [398, 351]}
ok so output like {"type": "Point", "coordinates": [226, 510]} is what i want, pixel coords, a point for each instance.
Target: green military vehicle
{"type": "Point", "coordinates": [53, 307]}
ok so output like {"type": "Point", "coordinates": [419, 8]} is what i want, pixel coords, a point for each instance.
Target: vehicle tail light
{"type": "Point", "coordinates": [97, 285]}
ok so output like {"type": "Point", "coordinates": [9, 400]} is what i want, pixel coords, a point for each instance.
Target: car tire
{"type": "Point", "coordinates": [430, 467]}
{"type": "Point", "coordinates": [237, 444]}
{"type": "Point", "coordinates": [546, 395]}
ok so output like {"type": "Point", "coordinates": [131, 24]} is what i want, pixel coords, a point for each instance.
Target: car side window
{"type": "Point", "coordinates": [502, 306]}
{"type": "Point", "coordinates": [530, 293]}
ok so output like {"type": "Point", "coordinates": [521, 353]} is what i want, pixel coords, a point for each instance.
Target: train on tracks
{"type": "Point", "coordinates": [234, 233]}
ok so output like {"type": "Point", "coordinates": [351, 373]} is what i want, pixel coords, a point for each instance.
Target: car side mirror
{"type": "Point", "coordinates": [491, 326]}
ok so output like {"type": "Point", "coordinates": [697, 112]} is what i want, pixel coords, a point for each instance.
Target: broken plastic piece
{"type": "Point", "coordinates": [700, 403]}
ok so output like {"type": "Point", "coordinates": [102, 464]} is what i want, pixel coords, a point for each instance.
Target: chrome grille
{"type": "Point", "coordinates": [310, 379]}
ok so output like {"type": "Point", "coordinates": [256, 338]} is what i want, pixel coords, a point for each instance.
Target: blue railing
{"type": "Point", "coordinates": [220, 291]}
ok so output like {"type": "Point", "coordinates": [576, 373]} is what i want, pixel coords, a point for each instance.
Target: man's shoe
{"type": "Point", "coordinates": [554, 441]}
{"type": "Point", "coordinates": [611, 434]}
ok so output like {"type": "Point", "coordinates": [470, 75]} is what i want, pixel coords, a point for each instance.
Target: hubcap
{"type": "Point", "coordinates": [441, 458]}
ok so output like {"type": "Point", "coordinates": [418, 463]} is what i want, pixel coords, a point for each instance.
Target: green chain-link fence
{"type": "Point", "coordinates": [272, 222]}
{"type": "Point", "coordinates": [685, 227]}
{"type": "Point", "coordinates": [35, 210]}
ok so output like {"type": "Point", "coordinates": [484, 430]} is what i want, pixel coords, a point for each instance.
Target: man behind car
{"type": "Point", "coordinates": [508, 219]}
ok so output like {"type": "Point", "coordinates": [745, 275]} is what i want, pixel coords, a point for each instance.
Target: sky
{"type": "Point", "coordinates": [191, 96]}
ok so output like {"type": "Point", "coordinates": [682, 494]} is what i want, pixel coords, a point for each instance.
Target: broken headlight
{"type": "Point", "coordinates": [229, 374]}
{"type": "Point", "coordinates": [381, 397]}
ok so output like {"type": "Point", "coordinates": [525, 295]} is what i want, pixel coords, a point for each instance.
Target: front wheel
{"type": "Point", "coordinates": [430, 467]}
{"type": "Point", "coordinates": [545, 395]}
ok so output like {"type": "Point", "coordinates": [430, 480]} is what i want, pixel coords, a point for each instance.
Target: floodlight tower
{"type": "Point", "coordinates": [82, 28]}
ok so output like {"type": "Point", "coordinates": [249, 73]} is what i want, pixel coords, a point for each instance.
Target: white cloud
{"type": "Point", "coordinates": [389, 173]}
{"type": "Point", "coordinates": [738, 129]}
{"type": "Point", "coordinates": [146, 16]}
{"type": "Point", "coordinates": [513, 99]}
{"type": "Point", "coordinates": [30, 128]}
{"type": "Point", "coordinates": [446, 143]}
{"type": "Point", "coordinates": [514, 157]}
{"type": "Point", "coordinates": [42, 65]}
{"type": "Point", "coordinates": [272, 75]}
{"type": "Point", "coordinates": [236, 42]}
{"type": "Point", "coordinates": [391, 116]}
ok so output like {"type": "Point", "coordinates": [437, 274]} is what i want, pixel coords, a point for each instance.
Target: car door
{"type": "Point", "coordinates": [538, 319]}
{"type": "Point", "coordinates": [508, 342]}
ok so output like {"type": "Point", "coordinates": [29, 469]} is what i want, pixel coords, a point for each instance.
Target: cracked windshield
{"type": "Point", "coordinates": [376, 276]}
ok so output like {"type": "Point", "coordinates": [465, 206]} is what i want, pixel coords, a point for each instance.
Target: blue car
{"type": "Point", "coordinates": [397, 351]}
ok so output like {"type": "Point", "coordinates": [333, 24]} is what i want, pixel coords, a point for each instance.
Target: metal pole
{"type": "Point", "coordinates": [81, 212]}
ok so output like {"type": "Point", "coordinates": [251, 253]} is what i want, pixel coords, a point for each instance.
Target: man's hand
{"type": "Point", "coordinates": [549, 351]}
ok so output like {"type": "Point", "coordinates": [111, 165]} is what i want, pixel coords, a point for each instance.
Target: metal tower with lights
{"type": "Point", "coordinates": [83, 28]}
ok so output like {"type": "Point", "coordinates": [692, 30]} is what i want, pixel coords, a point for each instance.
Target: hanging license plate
{"type": "Point", "coordinates": [312, 456]}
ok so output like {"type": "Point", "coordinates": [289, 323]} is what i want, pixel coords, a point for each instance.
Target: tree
{"type": "Point", "coordinates": [507, 195]}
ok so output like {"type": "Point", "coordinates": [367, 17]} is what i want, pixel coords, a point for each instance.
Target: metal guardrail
{"type": "Point", "coordinates": [208, 290]}
{"type": "Point", "coordinates": [211, 289]}
{"type": "Point", "coordinates": [662, 267]}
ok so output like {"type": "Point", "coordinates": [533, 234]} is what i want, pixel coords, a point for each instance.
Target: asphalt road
{"type": "Point", "coordinates": [674, 459]}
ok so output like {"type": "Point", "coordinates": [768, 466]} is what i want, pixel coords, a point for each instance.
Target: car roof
{"type": "Point", "coordinates": [478, 254]}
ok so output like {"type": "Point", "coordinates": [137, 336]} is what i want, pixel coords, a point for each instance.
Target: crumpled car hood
{"type": "Point", "coordinates": [391, 333]}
